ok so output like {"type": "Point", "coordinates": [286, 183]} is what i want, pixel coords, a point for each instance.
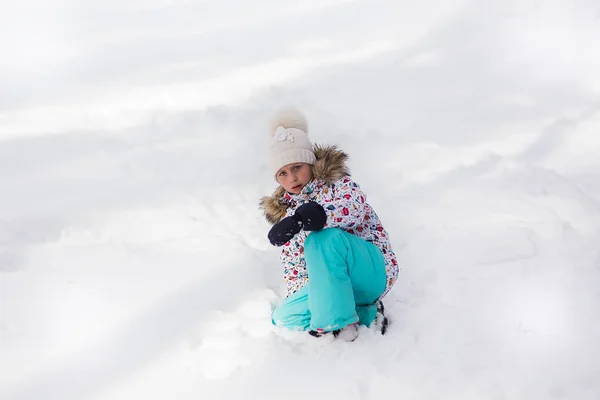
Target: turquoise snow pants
{"type": "Point", "coordinates": [346, 277]}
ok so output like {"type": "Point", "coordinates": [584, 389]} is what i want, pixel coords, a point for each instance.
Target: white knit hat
{"type": "Point", "coordinates": [289, 140]}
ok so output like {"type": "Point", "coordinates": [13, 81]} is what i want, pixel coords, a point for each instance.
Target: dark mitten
{"type": "Point", "coordinates": [284, 230]}
{"type": "Point", "coordinates": [313, 216]}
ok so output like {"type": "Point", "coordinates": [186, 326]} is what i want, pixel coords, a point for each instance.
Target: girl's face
{"type": "Point", "coordinates": [293, 177]}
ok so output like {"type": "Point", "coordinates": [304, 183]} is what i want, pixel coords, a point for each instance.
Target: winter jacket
{"type": "Point", "coordinates": [346, 207]}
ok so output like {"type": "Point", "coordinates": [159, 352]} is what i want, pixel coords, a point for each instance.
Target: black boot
{"type": "Point", "coordinates": [381, 321]}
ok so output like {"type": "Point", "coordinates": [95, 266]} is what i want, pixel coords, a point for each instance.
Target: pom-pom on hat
{"type": "Point", "coordinates": [289, 140]}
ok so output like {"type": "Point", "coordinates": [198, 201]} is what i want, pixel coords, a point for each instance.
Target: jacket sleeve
{"type": "Point", "coordinates": [347, 207]}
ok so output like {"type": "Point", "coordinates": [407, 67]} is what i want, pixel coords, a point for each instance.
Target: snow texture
{"type": "Point", "coordinates": [134, 262]}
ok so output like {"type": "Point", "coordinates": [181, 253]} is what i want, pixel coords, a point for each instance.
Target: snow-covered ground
{"type": "Point", "coordinates": [133, 257]}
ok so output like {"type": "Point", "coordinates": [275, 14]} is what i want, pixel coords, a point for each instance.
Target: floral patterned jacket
{"type": "Point", "coordinates": [346, 206]}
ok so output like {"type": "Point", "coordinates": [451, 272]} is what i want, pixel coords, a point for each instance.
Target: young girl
{"type": "Point", "coordinates": [337, 258]}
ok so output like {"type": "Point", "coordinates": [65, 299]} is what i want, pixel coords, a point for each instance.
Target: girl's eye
{"type": "Point", "coordinates": [282, 173]}
{"type": "Point", "coordinates": [297, 167]}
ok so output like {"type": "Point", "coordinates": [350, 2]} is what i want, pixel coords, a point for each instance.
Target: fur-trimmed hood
{"type": "Point", "coordinates": [329, 167]}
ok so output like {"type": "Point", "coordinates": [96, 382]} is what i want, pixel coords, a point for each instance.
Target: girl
{"type": "Point", "coordinates": [337, 258]}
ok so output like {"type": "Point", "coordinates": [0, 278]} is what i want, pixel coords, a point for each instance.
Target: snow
{"type": "Point", "coordinates": [133, 258]}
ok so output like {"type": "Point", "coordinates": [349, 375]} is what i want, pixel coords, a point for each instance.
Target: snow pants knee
{"type": "Point", "coordinates": [346, 278]}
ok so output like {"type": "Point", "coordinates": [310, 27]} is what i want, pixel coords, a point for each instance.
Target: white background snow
{"type": "Point", "coordinates": [133, 258]}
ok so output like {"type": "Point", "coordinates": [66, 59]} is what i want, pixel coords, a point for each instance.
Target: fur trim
{"type": "Point", "coordinates": [331, 163]}
{"type": "Point", "coordinates": [272, 206]}
{"type": "Point", "coordinates": [330, 166]}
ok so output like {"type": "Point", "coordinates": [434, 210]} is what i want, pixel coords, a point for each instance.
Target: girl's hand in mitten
{"type": "Point", "coordinates": [284, 230]}
{"type": "Point", "coordinates": [313, 216]}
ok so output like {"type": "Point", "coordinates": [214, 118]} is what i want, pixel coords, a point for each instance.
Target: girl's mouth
{"type": "Point", "coordinates": [296, 187]}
